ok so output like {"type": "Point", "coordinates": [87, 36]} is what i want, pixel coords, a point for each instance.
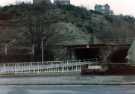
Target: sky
{"type": "Point", "coordinates": [126, 7]}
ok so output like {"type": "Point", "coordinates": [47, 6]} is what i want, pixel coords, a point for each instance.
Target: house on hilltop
{"type": "Point", "coordinates": [57, 2]}
{"type": "Point", "coordinates": [105, 9]}
{"type": "Point", "coordinates": [62, 2]}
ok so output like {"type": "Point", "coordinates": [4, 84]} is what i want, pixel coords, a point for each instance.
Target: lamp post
{"type": "Point", "coordinates": [42, 47]}
{"type": "Point", "coordinates": [6, 49]}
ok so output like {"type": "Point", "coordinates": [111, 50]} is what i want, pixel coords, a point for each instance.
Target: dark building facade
{"type": "Point", "coordinates": [40, 1]}
{"type": "Point", "coordinates": [104, 53]}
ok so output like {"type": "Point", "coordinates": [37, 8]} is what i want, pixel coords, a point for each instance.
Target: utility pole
{"type": "Point", "coordinates": [42, 46]}
{"type": "Point", "coordinates": [6, 49]}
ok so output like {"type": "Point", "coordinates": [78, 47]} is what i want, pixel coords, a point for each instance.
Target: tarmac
{"type": "Point", "coordinates": [68, 80]}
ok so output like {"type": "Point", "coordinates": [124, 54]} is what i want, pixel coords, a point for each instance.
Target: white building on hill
{"type": "Point", "coordinates": [105, 9]}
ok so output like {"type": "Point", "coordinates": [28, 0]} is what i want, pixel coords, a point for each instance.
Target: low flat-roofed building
{"type": "Point", "coordinates": [105, 9]}
{"type": "Point", "coordinates": [62, 2]}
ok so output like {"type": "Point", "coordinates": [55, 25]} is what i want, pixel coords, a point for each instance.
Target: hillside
{"type": "Point", "coordinates": [25, 24]}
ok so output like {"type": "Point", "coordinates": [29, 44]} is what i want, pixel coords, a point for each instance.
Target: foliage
{"type": "Point", "coordinates": [57, 23]}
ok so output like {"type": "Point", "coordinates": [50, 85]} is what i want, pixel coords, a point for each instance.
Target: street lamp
{"type": "Point", "coordinates": [42, 47]}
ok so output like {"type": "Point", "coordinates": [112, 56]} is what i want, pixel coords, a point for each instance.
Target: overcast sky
{"type": "Point", "coordinates": [126, 7]}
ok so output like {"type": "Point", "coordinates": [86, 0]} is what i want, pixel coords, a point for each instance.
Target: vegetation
{"type": "Point", "coordinates": [61, 25]}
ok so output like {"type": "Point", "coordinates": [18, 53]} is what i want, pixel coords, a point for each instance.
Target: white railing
{"type": "Point", "coordinates": [36, 67]}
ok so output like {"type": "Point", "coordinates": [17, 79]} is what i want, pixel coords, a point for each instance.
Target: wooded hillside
{"type": "Point", "coordinates": [26, 25]}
